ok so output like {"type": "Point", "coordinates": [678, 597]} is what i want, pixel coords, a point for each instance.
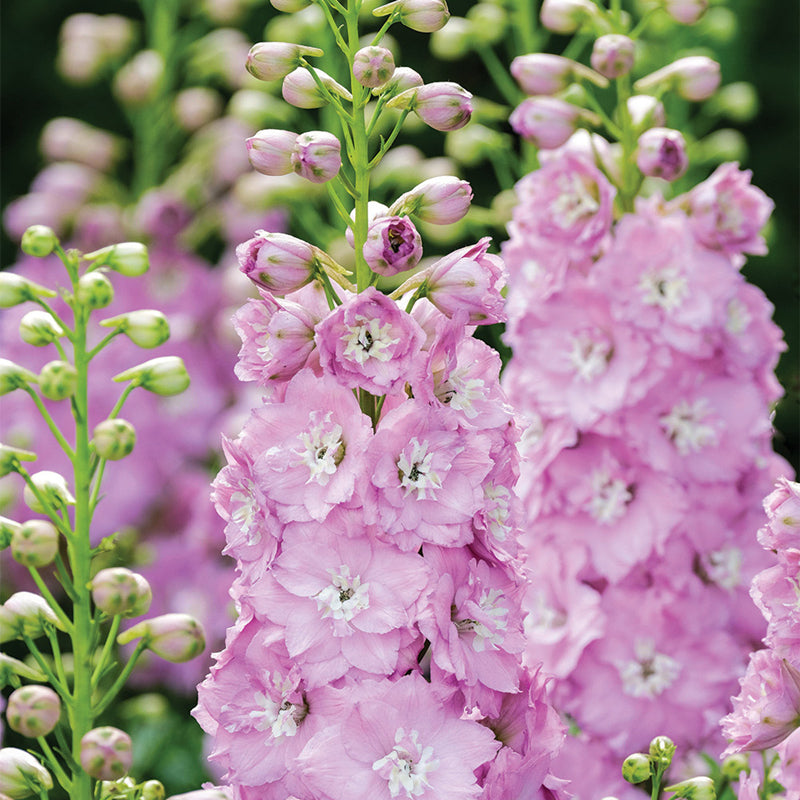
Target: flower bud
{"type": "Point", "coordinates": [117, 590]}
{"type": "Point", "coordinates": [402, 79]}
{"type": "Point", "coordinates": [290, 6]}
{"type": "Point", "coordinates": [317, 156]}
{"type": "Point", "coordinates": [26, 613]}
{"type": "Point", "coordinates": [373, 66]}
{"type": "Point", "coordinates": [271, 61]}
{"type": "Point", "coordinates": [33, 710]}
{"type": "Point", "coordinates": [136, 83]}
{"type": "Point", "coordinates": [636, 768]}
{"type": "Point", "coordinates": [661, 153]}
{"type": "Point", "coordinates": [57, 380]}
{"type": "Point", "coordinates": [113, 439]}
{"type": "Point", "coordinates": [662, 748]}
{"type": "Point", "coordinates": [733, 766]}
{"type": "Point", "coordinates": [393, 245]}
{"type": "Point", "coordinates": [7, 529]}
{"type": "Point", "coordinates": [106, 753]}
{"type": "Point", "coordinates": [152, 790]}
{"type": "Point", "coordinates": [39, 241]}
{"type": "Point", "coordinates": [546, 121]}
{"type": "Point", "coordinates": [173, 637]}
{"type": "Point", "coordinates": [454, 41]}
{"type": "Point", "coordinates": [300, 89]}
{"type": "Point", "coordinates": [164, 376]}
{"type": "Point", "coordinates": [14, 289]}
{"type": "Point", "coordinates": [543, 73]}
{"type": "Point", "coordinates": [127, 258]}
{"type": "Point", "coordinates": [13, 376]}
{"type": "Point", "coordinates": [50, 485]}
{"type": "Point", "coordinates": [278, 262]}
{"type": "Point", "coordinates": [146, 327]}
{"type": "Point", "coordinates": [443, 105]}
{"type": "Point", "coordinates": [687, 12]}
{"type": "Point", "coordinates": [39, 328]}
{"type": "Point", "coordinates": [693, 78]}
{"type": "Point", "coordinates": [613, 55]}
{"type": "Point", "coordinates": [489, 22]}
{"type": "Point", "coordinates": [35, 544]}
{"type": "Point", "coordinates": [94, 290]}
{"type": "Point", "coordinates": [10, 458]}
{"type": "Point", "coordinates": [21, 775]}
{"type": "Point", "coordinates": [270, 151]}
{"type": "Point", "coordinates": [694, 789]}
{"type": "Point", "coordinates": [424, 16]}
{"type": "Point", "coordinates": [12, 668]}
{"type": "Point", "coordinates": [196, 107]}
{"type": "Point", "coordinates": [440, 201]}
{"type": "Point", "coordinates": [566, 16]}
{"type": "Point", "coordinates": [646, 112]}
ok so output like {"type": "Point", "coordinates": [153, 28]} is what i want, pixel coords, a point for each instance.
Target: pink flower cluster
{"type": "Point", "coordinates": [378, 650]}
{"type": "Point", "coordinates": [766, 712]}
{"type": "Point", "coordinates": [644, 361]}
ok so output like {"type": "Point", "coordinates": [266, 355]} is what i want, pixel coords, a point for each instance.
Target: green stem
{"type": "Point", "coordinates": [338, 205]}
{"type": "Point", "coordinates": [109, 644]}
{"type": "Point", "coordinates": [337, 35]}
{"type": "Point", "coordinates": [63, 325]}
{"type": "Point", "coordinates": [57, 659]}
{"type": "Point", "coordinates": [52, 678]}
{"type": "Point", "coordinates": [390, 20]}
{"type": "Point", "coordinates": [524, 26]}
{"type": "Point", "coordinates": [59, 522]}
{"type": "Point", "coordinates": [611, 126]}
{"type": "Point", "coordinates": [51, 601]}
{"type": "Point", "coordinates": [57, 435]}
{"type": "Point", "coordinates": [95, 350]}
{"type": "Point", "coordinates": [387, 143]}
{"type": "Point", "coordinates": [512, 94]}
{"type": "Point", "coordinates": [121, 678]}
{"type": "Point", "coordinates": [54, 765]}
{"type": "Point", "coordinates": [63, 577]}
{"type": "Point", "coordinates": [628, 142]}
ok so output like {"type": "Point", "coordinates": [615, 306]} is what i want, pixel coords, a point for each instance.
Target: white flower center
{"type": "Point", "coordinates": [650, 673]}
{"type": "Point", "coordinates": [532, 270]}
{"type": "Point", "coordinates": [490, 624]}
{"type": "Point", "coordinates": [368, 339]}
{"type": "Point", "coordinates": [461, 393]}
{"type": "Point", "coordinates": [542, 615]}
{"type": "Point", "coordinates": [324, 448]}
{"type": "Point", "coordinates": [724, 566]}
{"type": "Point", "coordinates": [574, 202]}
{"type": "Point", "coordinates": [345, 597]}
{"type": "Point", "coordinates": [730, 216]}
{"type": "Point", "coordinates": [610, 499]}
{"type": "Point", "coordinates": [407, 766]}
{"type": "Point", "coordinates": [496, 502]}
{"type": "Point", "coordinates": [244, 513]}
{"type": "Point", "coordinates": [591, 352]}
{"type": "Point", "coordinates": [737, 317]}
{"type": "Point", "coordinates": [665, 288]}
{"type": "Point", "coordinates": [685, 428]}
{"type": "Point", "coordinates": [415, 471]}
{"type": "Point", "coordinates": [267, 715]}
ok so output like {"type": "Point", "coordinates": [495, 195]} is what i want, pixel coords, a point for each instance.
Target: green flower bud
{"type": "Point", "coordinates": [94, 290]}
{"type": "Point", "coordinates": [636, 768]}
{"type": "Point", "coordinates": [489, 22]}
{"type": "Point", "coordinates": [33, 710]}
{"type": "Point", "coordinates": [662, 748]}
{"type": "Point", "coordinates": [173, 637]}
{"type": "Point", "coordinates": [10, 458]}
{"type": "Point", "coordinates": [12, 667]}
{"type": "Point", "coordinates": [57, 380]}
{"type": "Point", "coordinates": [147, 327]}
{"type": "Point", "coordinates": [118, 590]}
{"type": "Point", "coordinates": [165, 376]}
{"type": "Point", "coordinates": [735, 765]}
{"type": "Point", "coordinates": [694, 789]}
{"type": "Point", "coordinates": [152, 790]}
{"type": "Point", "coordinates": [473, 144]}
{"type": "Point", "coordinates": [52, 486]}
{"type": "Point", "coordinates": [26, 613]}
{"type": "Point", "coordinates": [14, 289]}
{"type": "Point", "coordinates": [453, 41]}
{"type": "Point", "coordinates": [39, 328]}
{"type": "Point", "coordinates": [113, 439]}
{"type": "Point", "coordinates": [35, 544]}
{"type": "Point", "coordinates": [7, 529]}
{"type": "Point", "coordinates": [21, 775]}
{"type": "Point", "coordinates": [13, 376]}
{"type": "Point", "coordinates": [39, 241]}
{"type": "Point", "coordinates": [127, 258]}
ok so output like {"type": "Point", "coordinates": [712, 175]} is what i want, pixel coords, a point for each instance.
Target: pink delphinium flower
{"type": "Point", "coordinates": [369, 342]}
{"type": "Point", "coordinates": [782, 505]}
{"type": "Point", "coordinates": [393, 245]}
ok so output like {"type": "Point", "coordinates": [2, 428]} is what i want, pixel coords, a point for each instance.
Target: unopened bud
{"type": "Point", "coordinates": [14, 289]}
{"type": "Point", "coordinates": [13, 376]}
{"type": "Point", "coordinates": [693, 78]}
{"type": "Point", "coordinates": [566, 16]}
{"type": "Point", "coordinates": [687, 12]}
{"type": "Point", "coordinates": [113, 439]}
{"type": "Point", "coordinates": [393, 245]}
{"type": "Point", "coordinates": [402, 79]}
{"type": "Point", "coordinates": [106, 753]}
{"type": "Point", "coordinates": [271, 61]}
{"type": "Point", "coordinates": [146, 327]}
{"type": "Point", "coordinates": [489, 22]}
{"type": "Point", "coordinates": [317, 156]}
{"type": "Point", "coordinates": [661, 153]}
{"type": "Point", "coordinates": [7, 529]}
{"type": "Point", "coordinates": [662, 748]}
{"type": "Point", "coordinates": [152, 790]}
{"type": "Point", "coordinates": [136, 83]}
{"type": "Point", "coordinates": [733, 766]}
{"type": "Point", "coordinates": [454, 41]}
{"type": "Point", "coordinates": [277, 262]}
{"type": "Point", "coordinates": [39, 328]}
{"type": "Point", "coordinates": [636, 768]}
{"type": "Point", "coordinates": [424, 16]}
{"type": "Point", "coordinates": [544, 73]}
{"type": "Point", "coordinates": [164, 376]}
{"type": "Point", "coordinates": [118, 590]}
{"type": "Point", "coordinates": [12, 668]}
{"type": "Point", "coordinates": [173, 637]}
{"type": "Point", "coordinates": [290, 6]}
{"type": "Point", "coordinates": [10, 458]}
{"type": "Point", "coordinates": [646, 112]}
{"type": "Point", "coordinates": [26, 613]}
{"type": "Point", "coordinates": [443, 105]}
{"type": "Point", "coordinates": [270, 151]}
{"type": "Point", "coordinates": [196, 107]}
{"type": "Point", "coordinates": [694, 789]}
{"type": "Point", "coordinates": [441, 201]}
{"type": "Point", "coordinates": [546, 121]}
{"type": "Point", "coordinates": [39, 241]}
{"type": "Point", "coordinates": [127, 258]}
{"type": "Point", "coordinates": [35, 544]}
{"type": "Point", "coordinates": [94, 290]}
{"type": "Point", "coordinates": [301, 90]}
{"type": "Point", "coordinates": [373, 66]}
{"type": "Point", "coordinates": [613, 55]}
{"type": "Point", "coordinates": [737, 101]}
{"type": "Point", "coordinates": [33, 710]}
{"type": "Point", "coordinates": [52, 487]}
{"type": "Point", "coordinates": [21, 775]}
{"type": "Point", "coordinates": [58, 380]}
